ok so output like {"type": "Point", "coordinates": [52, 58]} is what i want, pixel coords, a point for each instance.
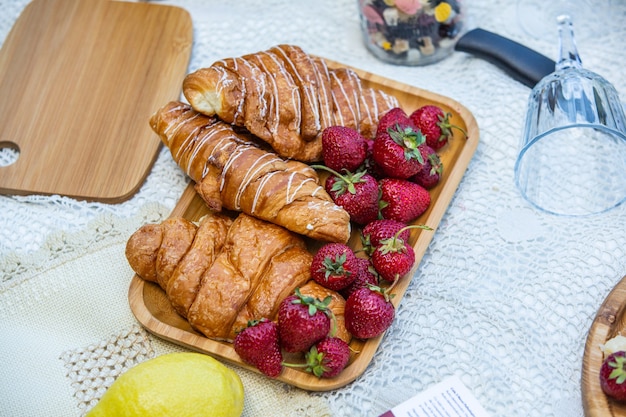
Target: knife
{"type": "Point", "coordinates": [518, 61]}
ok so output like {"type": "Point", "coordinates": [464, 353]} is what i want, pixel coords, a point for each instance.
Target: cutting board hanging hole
{"type": "Point", "coordinates": [9, 154]}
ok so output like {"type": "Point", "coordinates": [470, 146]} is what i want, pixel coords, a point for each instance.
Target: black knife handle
{"type": "Point", "coordinates": [520, 62]}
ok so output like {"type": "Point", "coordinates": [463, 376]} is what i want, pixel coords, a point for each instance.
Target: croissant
{"type": "Point", "coordinates": [233, 172]}
{"type": "Point", "coordinates": [176, 253]}
{"type": "Point", "coordinates": [286, 98]}
{"type": "Point", "coordinates": [222, 273]}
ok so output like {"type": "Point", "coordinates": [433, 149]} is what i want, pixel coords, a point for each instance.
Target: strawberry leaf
{"type": "Point", "coordinates": [410, 140]}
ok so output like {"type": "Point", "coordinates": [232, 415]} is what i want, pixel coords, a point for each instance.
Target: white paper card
{"type": "Point", "coordinates": [449, 398]}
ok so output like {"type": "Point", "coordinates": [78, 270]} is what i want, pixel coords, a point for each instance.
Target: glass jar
{"type": "Point", "coordinates": [411, 32]}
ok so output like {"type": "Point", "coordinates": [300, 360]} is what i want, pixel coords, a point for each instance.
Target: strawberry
{"type": "Point", "coordinates": [356, 193]}
{"type": "Point", "coordinates": [334, 266]}
{"type": "Point", "coordinates": [396, 152]}
{"type": "Point", "coordinates": [258, 346]}
{"type": "Point", "coordinates": [394, 257]}
{"type": "Point", "coordinates": [432, 169]}
{"type": "Point", "coordinates": [395, 116]}
{"type": "Point", "coordinates": [343, 148]}
{"type": "Point", "coordinates": [366, 274]}
{"type": "Point", "coordinates": [378, 230]}
{"type": "Point", "coordinates": [613, 376]}
{"type": "Point", "coordinates": [369, 164]}
{"type": "Point", "coordinates": [402, 200]}
{"type": "Point", "coordinates": [303, 321]}
{"type": "Point", "coordinates": [368, 312]}
{"type": "Point", "coordinates": [435, 124]}
{"type": "Point", "coordinates": [328, 357]}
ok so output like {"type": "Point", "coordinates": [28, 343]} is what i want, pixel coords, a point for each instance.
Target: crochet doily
{"type": "Point", "coordinates": [504, 295]}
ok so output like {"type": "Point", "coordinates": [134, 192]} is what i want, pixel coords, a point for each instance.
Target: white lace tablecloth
{"type": "Point", "coordinates": [503, 297]}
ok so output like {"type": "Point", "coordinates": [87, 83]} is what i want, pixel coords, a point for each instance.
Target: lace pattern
{"type": "Point", "coordinates": [94, 368]}
{"type": "Point", "coordinates": [503, 294]}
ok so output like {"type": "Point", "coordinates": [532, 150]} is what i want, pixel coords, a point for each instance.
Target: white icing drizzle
{"type": "Point", "coordinates": [295, 92]}
{"type": "Point", "coordinates": [390, 100]}
{"type": "Point", "coordinates": [290, 199]}
{"type": "Point", "coordinates": [314, 193]}
{"type": "Point", "coordinates": [251, 174]}
{"type": "Point", "coordinates": [225, 80]}
{"type": "Point", "coordinates": [185, 145]}
{"type": "Point", "coordinates": [222, 144]}
{"type": "Point", "coordinates": [325, 107]}
{"type": "Point", "coordinates": [357, 92]}
{"type": "Point", "coordinates": [372, 107]}
{"type": "Point", "coordinates": [259, 83]}
{"type": "Point", "coordinates": [306, 86]}
{"type": "Point", "coordinates": [260, 188]}
{"type": "Point", "coordinates": [274, 99]}
{"type": "Point", "coordinates": [338, 114]}
{"type": "Point", "coordinates": [343, 92]}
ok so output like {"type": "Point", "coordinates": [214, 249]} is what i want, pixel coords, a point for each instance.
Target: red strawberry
{"type": "Point", "coordinates": [435, 124]}
{"type": "Point", "coordinates": [394, 257]}
{"type": "Point", "coordinates": [393, 260]}
{"type": "Point", "coordinates": [334, 266]}
{"type": "Point", "coordinates": [368, 312]}
{"type": "Point", "coordinates": [379, 230]}
{"type": "Point", "coordinates": [402, 200]}
{"type": "Point", "coordinates": [328, 357]}
{"type": "Point", "coordinates": [393, 117]}
{"type": "Point", "coordinates": [356, 193]}
{"type": "Point", "coordinates": [258, 346]}
{"type": "Point", "coordinates": [613, 376]}
{"type": "Point", "coordinates": [366, 274]}
{"type": "Point", "coordinates": [431, 171]}
{"type": "Point", "coordinates": [396, 153]}
{"type": "Point", "coordinates": [342, 148]}
{"type": "Point", "coordinates": [303, 321]}
{"type": "Point", "coordinates": [369, 164]}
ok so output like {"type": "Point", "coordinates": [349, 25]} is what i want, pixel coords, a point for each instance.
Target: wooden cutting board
{"type": "Point", "coordinates": [79, 81]}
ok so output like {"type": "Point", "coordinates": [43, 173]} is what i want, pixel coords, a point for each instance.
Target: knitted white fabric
{"type": "Point", "coordinates": [503, 297]}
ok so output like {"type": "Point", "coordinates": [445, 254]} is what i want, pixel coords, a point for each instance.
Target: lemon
{"type": "Point", "coordinates": [181, 384]}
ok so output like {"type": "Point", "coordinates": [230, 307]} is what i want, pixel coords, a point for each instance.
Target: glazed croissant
{"type": "Point", "coordinates": [222, 273]}
{"type": "Point", "coordinates": [232, 172]}
{"type": "Point", "coordinates": [286, 98]}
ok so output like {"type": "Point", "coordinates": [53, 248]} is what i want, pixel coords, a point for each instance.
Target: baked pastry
{"type": "Point", "coordinates": [176, 253]}
{"type": "Point", "coordinates": [286, 98]}
{"type": "Point", "coordinates": [222, 273]}
{"type": "Point", "coordinates": [237, 272]}
{"type": "Point", "coordinates": [232, 172]}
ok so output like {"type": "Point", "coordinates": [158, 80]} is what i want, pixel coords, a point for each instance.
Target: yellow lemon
{"type": "Point", "coordinates": [182, 384]}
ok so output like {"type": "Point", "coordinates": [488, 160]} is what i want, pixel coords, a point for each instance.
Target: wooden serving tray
{"type": "Point", "coordinates": [154, 311]}
{"type": "Point", "coordinates": [609, 322]}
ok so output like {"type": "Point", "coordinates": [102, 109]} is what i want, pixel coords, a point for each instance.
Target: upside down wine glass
{"type": "Point", "coordinates": [572, 158]}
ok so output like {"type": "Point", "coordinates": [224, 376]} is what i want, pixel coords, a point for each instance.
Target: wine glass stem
{"type": "Point", "coordinates": [568, 53]}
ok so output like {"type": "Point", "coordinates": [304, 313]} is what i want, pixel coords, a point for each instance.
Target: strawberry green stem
{"type": "Point", "coordinates": [332, 171]}
{"type": "Point", "coordinates": [382, 291]}
{"type": "Point", "coordinates": [411, 226]}
{"type": "Point", "coordinates": [347, 180]}
{"type": "Point", "coordinates": [446, 125]}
